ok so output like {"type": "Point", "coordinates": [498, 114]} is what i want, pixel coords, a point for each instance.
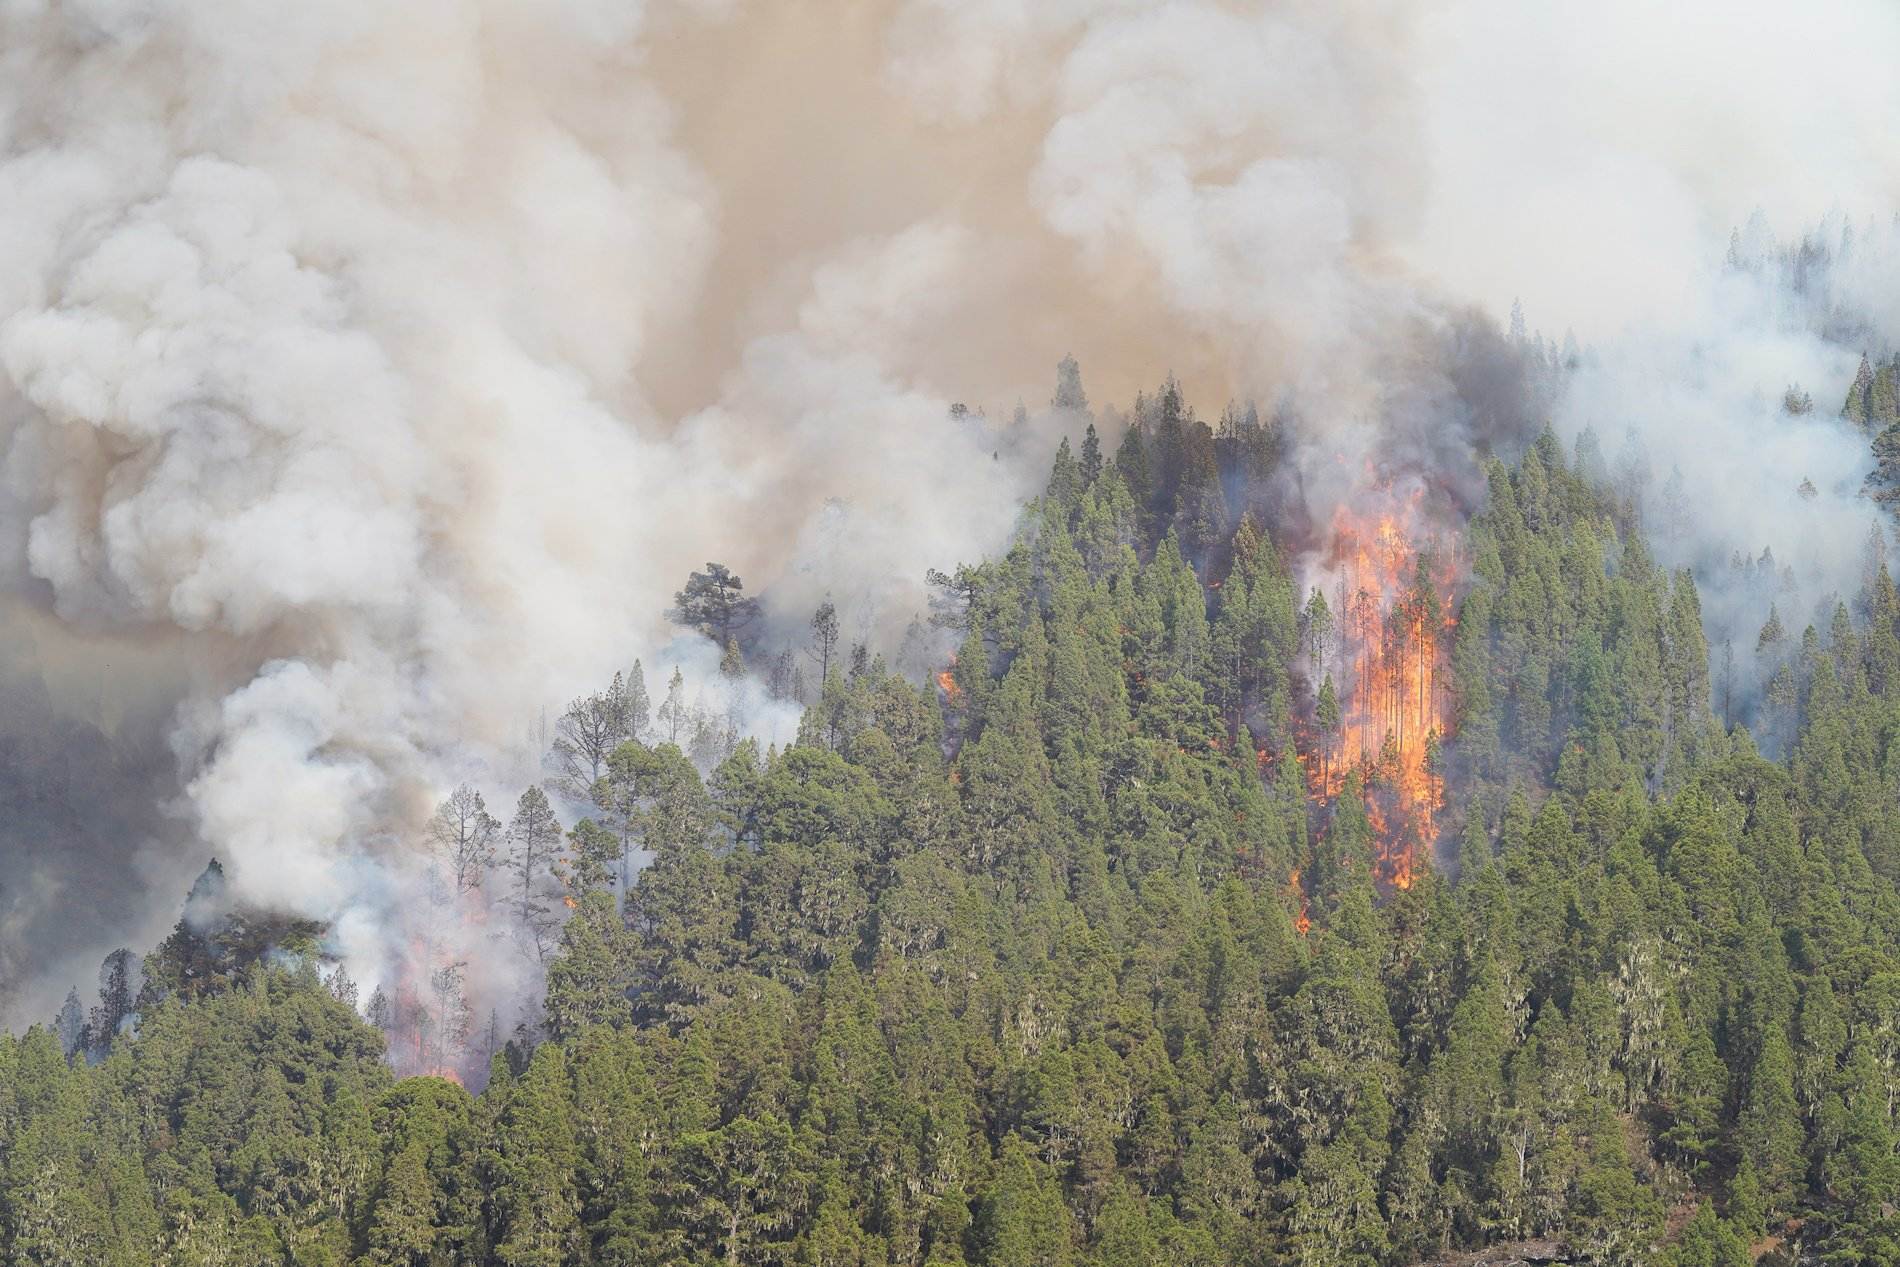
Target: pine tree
{"type": "Point", "coordinates": [824, 638]}
{"type": "Point", "coordinates": [1768, 1128]}
{"type": "Point", "coordinates": [1091, 458]}
{"type": "Point", "coordinates": [379, 1012]}
{"type": "Point", "coordinates": [1858, 408]}
{"type": "Point", "coordinates": [531, 1166]}
{"type": "Point", "coordinates": [1137, 474]}
{"type": "Point", "coordinates": [590, 728]}
{"type": "Point", "coordinates": [1064, 489]}
{"type": "Point", "coordinates": [1883, 482]}
{"type": "Point", "coordinates": [588, 979]}
{"type": "Point", "coordinates": [714, 603]}
{"type": "Point", "coordinates": [71, 1024]}
{"type": "Point", "coordinates": [118, 992]}
{"type": "Point", "coordinates": [1708, 1241]}
{"type": "Point", "coordinates": [534, 839]}
{"type": "Point", "coordinates": [1069, 394]}
{"type": "Point", "coordinates": [342, 987]}
{"type": "Point", "coordinates": [1768, 641]}
{"type": "Point", "coordinates": [449, 1017]}
{"type": "Point", "coordinates": [1021, 1219]}
{"type": "Point", "coordinates": [1883, 401]}
{"type": "Point", "coordinates": [463, 834]}
{"type": "Point", "coordinates": [1326, 716]}
{"type": "Point", "coordinates": [639, 705]}
{"type": "Point", "coordinates": [740, 1190]}
{"type": "Point", "coordinates": [673, 718]}
{"type": "Point", "coordinates": [1317, 630]}
{"type": "Point", "coordinates": [1862, 1172]}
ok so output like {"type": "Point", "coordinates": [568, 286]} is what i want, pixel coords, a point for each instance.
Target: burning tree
{"type": "Point", "coordinates": [1386, 716]}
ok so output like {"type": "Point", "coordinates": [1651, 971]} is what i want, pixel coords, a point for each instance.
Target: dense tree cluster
{"type": "Point", "coordinates": [1007, 970]}
{"type": "Point", "coordinates": [1873, 405]}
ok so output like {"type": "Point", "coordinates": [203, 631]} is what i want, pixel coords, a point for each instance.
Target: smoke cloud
{"type": "Point", "coordinates": [370, 376]}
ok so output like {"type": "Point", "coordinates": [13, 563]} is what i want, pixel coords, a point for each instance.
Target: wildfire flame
{"type": "Point", "coordinates": [1387, 664]}
{"type": "Point", "coordinates": [947, 683]}
{"type": "Point", "coordinates": [428, 1014]}
{"type": "Point", "coordinates": [1303, 922]}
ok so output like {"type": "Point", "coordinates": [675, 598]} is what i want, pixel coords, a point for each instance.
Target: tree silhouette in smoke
{"type": "Point", "coordinates": [714, 603]}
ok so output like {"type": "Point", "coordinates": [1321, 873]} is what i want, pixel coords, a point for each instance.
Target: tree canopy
{"type": "Point", "coordinates": [1062, 958]}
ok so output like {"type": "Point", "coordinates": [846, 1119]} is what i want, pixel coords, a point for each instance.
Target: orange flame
{"type": "Point", "coordinates": [1388, 666]}
{"type": "Point", "coordinates": [1303, 922]}
{"type": "Point", "coordinates": [947, 683]}
{"type": "Point", "coordinates": [426, 1022]}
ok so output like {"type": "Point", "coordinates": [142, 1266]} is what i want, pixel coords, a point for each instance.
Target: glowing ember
{"type": "Point", "coordinates": [1386, 661]}
{"type": "Point", "coordinates": [1303, 922]}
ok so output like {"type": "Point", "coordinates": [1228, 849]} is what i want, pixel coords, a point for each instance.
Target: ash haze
{"type": "Point", "coordinates": [371, 375]}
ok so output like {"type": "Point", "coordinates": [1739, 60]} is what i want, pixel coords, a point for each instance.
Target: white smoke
{"type": "Point", "coordinates": [392, 365]}
{"type": "Point", "coordinates": [321, 335]}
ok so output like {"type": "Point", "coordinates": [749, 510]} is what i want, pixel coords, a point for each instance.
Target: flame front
{"type": "Point", "coordinates": [1387, 663]}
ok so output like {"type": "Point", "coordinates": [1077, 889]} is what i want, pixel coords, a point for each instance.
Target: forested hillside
{"type": "Point", "coordinates": [1112, 948]}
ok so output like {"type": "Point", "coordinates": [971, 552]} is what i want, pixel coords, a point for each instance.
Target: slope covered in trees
{"type": "Point", "coordinates": [1064, 960]}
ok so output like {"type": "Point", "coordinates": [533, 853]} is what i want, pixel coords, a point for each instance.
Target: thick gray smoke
{"type": "Point", "coordinates": [370, 375]}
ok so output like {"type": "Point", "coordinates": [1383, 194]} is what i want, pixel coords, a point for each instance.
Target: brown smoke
{"type": "Point", "coordinates": [387, 367]}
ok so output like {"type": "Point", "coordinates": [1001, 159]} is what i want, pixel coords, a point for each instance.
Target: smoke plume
{"type": "Point", "coordinates": [371, 375]}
